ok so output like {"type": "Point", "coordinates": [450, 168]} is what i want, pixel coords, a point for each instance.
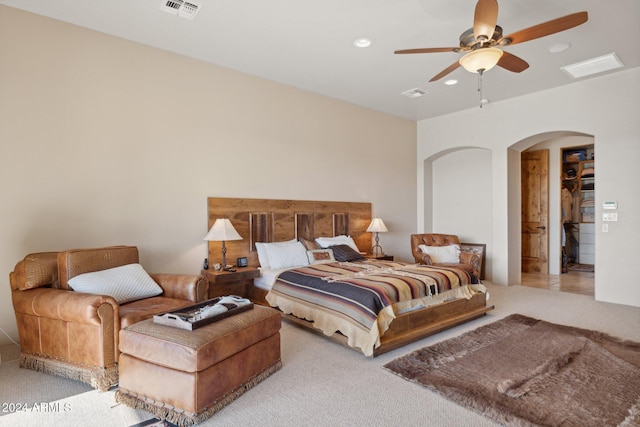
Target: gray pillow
{"type": "Point", "coordinates": [346, 253]}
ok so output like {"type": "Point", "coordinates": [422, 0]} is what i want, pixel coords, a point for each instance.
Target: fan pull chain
{"type": "Point", "coordinates": [480, 72]}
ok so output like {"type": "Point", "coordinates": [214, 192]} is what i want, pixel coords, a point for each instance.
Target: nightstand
{"type": "Point", "coordinates": [380, 257]}
{"type": "Point", "coordinates": [223, 283]}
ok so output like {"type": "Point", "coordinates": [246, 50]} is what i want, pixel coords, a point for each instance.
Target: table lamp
{"type": "Point", "coordinates": [377, 226]}
{"type": "Point", "coordinates": [221, 231]}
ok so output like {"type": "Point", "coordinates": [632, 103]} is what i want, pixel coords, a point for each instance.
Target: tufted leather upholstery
{"type": "Point", "coordinates": [468, 261]}
{"type": "Point", "coordinates": [74, 334]}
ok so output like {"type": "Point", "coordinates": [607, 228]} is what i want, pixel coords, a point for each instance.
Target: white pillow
{"type": "Point", "coordinates": [325, 242]}
{"type": "Point", "coordinates": [125, 283]}
{"type": "Point", "coordinates": [263, 257]}
{"type": "Point", "coordinates": [442, 254]}
{"type": "Point", "coordinates": [320, 256]}
{"type": "Point", "coordinates": [289, 255]}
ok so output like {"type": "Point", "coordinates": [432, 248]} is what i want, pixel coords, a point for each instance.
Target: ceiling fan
{"type": "Point", "coordinates": [482, 42]}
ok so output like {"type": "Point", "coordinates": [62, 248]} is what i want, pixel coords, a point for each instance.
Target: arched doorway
{"type": "Point", "coordinates": [554, 143]}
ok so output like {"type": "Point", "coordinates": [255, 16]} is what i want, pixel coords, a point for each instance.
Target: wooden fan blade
{"type": "Point", "coordinates": [548, 28]}
{"type": "Point", "coordinates": [446, 71]}
{"type": "Point", "coordinates": [485, 19]}
{"type": "Point", "coordinates": [513, 63]}
{"type": "Point", "coordinates": [428, 50]}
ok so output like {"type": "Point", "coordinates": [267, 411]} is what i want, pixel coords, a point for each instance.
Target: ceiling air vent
{"type": "Point", "coordinates": [593, 66]}
{"type": "Point", "coordinates": [183, 9]}
{"type": "Point", "coordinates": [414, 93]}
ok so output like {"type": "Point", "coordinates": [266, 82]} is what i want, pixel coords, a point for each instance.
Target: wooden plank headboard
{"type": "Point", "coordinates": [273, 220]}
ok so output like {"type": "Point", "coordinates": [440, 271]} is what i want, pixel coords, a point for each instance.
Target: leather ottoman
{"type": "Point", "coordinates": [185, 376]}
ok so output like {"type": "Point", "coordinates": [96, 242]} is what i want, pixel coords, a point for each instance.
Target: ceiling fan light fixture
{"type": "Point", "coordinates": [481, 60]}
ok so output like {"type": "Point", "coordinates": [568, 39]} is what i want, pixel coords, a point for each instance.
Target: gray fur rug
{"type": "Point", "coordinates": [521, 371]}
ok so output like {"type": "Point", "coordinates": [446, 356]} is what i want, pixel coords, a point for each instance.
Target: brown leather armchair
{"type": "Point", "coordinates": [467, 261]}
{"type": "Point", "coordinates": [75, 335]}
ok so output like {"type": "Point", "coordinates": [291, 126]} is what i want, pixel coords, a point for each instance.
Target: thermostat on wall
{"type": "Point", "coordinates": [610, 205]}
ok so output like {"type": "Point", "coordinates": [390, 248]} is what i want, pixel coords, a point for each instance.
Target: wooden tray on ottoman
{"type": "Point", "coordinates": [189, 317]}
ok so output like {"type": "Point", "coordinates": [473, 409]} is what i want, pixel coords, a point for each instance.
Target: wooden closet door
{"type": "Point", "coordinates": [535, 211]}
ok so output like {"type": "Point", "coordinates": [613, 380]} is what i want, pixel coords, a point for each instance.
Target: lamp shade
{"type": "Point", "coordinates": [481, 60]}
{"type": "Point", "coordinates": [221, 231]}
{"type": "Point", "coordinates": [377, 226]}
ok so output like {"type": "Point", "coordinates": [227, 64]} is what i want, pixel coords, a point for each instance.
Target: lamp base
{"type": "Point", "coordinates": [376, 250]}
{"type": "Point", "coordinates": [224, 256]}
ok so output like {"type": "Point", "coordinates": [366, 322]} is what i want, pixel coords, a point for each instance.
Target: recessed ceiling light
{"type": "Point", "coordinates": [593, 66]}
{"type": "Point", "coordinates": [484, 101]}
{"type": "Point", "coordinates": [451, 82]}
{"type": "Point", "coordinates": [362, 42]}
{"type": "Point", "coordinates": [414, 93]}
{"type": "Point", "coordinates": [559, 47]}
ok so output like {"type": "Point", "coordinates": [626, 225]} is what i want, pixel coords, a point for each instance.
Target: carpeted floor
{"type": "Point", "coordinates": [28, 388]}
{"type": "Point", "coordinates": [523, 371]}
{"type": "Point", "coordinates": [322, 383]}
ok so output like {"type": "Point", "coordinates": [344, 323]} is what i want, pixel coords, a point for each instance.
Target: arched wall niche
{"type": "Point", "coordinates": [457, 185]}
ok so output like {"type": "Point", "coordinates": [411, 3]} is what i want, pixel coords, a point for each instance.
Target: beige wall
{"type": "Point", "coordinates": [104, 141]}
{"type": "Point", "coordinates": [606, 108]}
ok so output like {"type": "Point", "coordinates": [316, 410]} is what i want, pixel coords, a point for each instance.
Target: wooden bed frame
{"type": "Point", "coordinates": [272, 220]}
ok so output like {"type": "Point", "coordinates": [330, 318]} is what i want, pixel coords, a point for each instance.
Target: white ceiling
{"type": "Point", "coordinates": [309, 45]}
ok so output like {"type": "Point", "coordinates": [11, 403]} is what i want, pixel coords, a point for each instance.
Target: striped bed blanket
{"type": "Point", "coordinates": [361, 299]}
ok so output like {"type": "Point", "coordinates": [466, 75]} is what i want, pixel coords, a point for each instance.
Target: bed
{"type": "Point", "coordinates": [373, 306]}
